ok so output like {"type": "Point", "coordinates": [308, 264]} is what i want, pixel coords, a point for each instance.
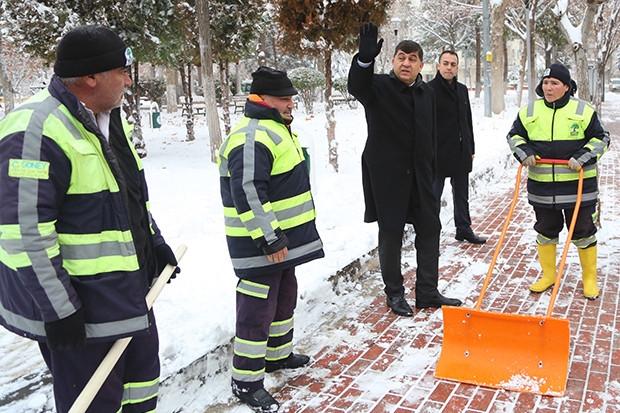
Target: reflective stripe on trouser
{"type": "Point", "coordinates": [131, 387]}
{"type": "Point", "coordinates": [264, 326]}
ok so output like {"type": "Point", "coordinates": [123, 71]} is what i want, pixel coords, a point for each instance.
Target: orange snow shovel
{"type": "Point", "coordinates": [525, 353]}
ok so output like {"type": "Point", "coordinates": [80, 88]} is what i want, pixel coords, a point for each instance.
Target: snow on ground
{"type": "Point", "coordinates": [195, 312]}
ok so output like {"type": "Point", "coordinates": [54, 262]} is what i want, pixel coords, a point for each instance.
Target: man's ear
{"type": "Point", "coordinates": [90, 80]}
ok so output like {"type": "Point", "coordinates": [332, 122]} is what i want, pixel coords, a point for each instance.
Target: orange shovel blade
{"type": "Point", "coordinates": [506, 351]}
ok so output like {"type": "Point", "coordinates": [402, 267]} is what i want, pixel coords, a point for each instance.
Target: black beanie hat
{"type": "Point", "coordinates": [86, 50]}
{"type": "Point", "coordinates": [268, 81]}
{"type": "Point", "coordinates": [559, 72]}
{"type": "Point", "coordinates": [556, 71]}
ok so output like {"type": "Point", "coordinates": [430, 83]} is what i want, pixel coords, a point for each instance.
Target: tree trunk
{"type": "Point", "coordinates": [274, 46]}
{"type": "Point", "coordinates": [329, 113]}
{"type": "Point", "coordinates": [238, 79]}
{"type": "Point", "coordinates": [580, 53]}
{"type": "Point", "coordinates": [5, 82]}
{"type": "Point", "coordinates": [522, 75]}
{"type": "Point", "coordinates": [598, 93]}
{"type": "Point", "coordinates": [206, 59]}
{"type": "Point", "coordinates": [505, 53]}
{"type": "Point", "coordinates": [225, 101]}
{"type": "Point", "coordinates": [171, 90]}
{"type": "Point", "coordinates": [261, 49]}
{"type": "Point", "coordinates": [531, 82]}
{"type": "Point", "coordinates": [497, 48]}
{"type": "Point", "coordinates": [188, 106]}
{"type": "Point", "coordinates": [137, 138]}
{"type": "Point", "coordinates": [581, 72]}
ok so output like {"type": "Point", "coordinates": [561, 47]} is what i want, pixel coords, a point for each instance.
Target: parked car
{"type": "Point", "coordinates": [614, 85]}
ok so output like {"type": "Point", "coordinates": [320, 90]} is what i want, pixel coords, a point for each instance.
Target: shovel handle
{"type": "Point", "coordinates": [109, 361]}
{"type": "Point", "coordinates": [552, 161]}
{"type": "Point", "coordinates": [569, 236]}
{"type": "Point", "coordinates": [571, 229]}
{"type": "Point", "coordinates": [498, 247]}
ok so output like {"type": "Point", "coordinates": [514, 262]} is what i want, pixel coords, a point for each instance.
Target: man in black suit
{"type": "Point", "coordinates": [455, 142]}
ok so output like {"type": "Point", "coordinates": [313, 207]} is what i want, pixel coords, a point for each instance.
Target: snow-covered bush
{"type": "Point", "coordinates": [306, 80]}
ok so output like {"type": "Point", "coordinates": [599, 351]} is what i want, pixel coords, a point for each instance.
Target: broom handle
{"type": "Point", "coordinates": [109, 361]}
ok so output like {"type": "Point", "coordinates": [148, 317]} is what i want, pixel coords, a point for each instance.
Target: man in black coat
{"type": "Point", "coordinates": [455, 142]}
{"type": "Point", "coordinates": [398, 165]}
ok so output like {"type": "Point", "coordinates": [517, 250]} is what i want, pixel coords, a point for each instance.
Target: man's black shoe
{"type": "Point", "coordinates": [293, 361]}
{"type": "Point", "coordinates": [437, 302]}
{"type": "Point", "coordinates": [399, 306]}
{"type": "Point", "coordinates": [259, 401]}
{"type": "Point", "coordinates": [471, 237]}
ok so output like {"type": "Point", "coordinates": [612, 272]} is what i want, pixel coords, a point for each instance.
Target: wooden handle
{"type": "Point", "coordinates": [109, 361]}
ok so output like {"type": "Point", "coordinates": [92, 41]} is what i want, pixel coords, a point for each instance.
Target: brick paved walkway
{"type": "Point", "coordinates": [391, 371]}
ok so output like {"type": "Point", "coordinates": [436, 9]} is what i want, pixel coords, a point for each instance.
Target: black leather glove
{"type": "Point", "coordinates": [165, 256]}
{"type": "Point", "coordinates": [68, 333]}
{"type": "Point", "coordinates": [369, 47]}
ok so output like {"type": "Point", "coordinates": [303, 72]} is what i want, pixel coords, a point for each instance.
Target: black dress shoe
{"type": "Point", "coordinates": [399, 306]}
{"type": "Point", "coordinates": [471, 237]}
{"type": "Point", "coordinates": [437, 302]}
{"type": "Point", "coordinates": [293, 361]}
{"type": "Point", "coordinates": [259, 401]}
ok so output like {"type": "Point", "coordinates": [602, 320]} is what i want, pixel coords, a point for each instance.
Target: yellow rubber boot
{"type": "Point", "coordinates": [546, 254]}
{"type": "Point", "coordinates": [587, 257]}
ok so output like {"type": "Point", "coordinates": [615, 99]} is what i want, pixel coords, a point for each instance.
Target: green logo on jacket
{"type": "Point", "coordinates": [574, 130]}
{"type": "Point", "coordinates": [25, 168]}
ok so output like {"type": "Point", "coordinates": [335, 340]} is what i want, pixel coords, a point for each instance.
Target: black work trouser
{"type": "Point", "coordinates": [264, 325]}
{"type": "Point", "coordinates": [131, 386]}
{"type": "Point", "coordinates": [551, 221]}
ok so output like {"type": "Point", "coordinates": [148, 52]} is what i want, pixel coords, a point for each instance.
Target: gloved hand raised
{"type": "Point", "coordinates": [68, 333]}
{"type": "Point", "coordinates": [574, 164]}
{"type": "Point", "coordinates": [530, 160]}
{"type": "Point", "coordinates": [369, 47]}
{"type": "Point", "coordinates": [165, 256]}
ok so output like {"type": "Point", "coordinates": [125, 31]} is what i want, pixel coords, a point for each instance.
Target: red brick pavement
{"type": "Point", "coordinates": [388, 372]}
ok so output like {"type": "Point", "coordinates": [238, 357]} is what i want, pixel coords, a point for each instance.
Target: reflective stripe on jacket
{"type": "Point", "coordinates": [265, 191]}
{"type": "Point", "coordinates": [570, 130]}
{"type": "Point", "coordinates": [65, 236]}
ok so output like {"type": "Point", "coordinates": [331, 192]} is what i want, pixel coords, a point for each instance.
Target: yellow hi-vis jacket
{"type": "Point", "coordinates": [66, 239]}
{"type": "Point", "coordinates": [567, 128]}
{"type": "Point", "coordinates": [265, 191]}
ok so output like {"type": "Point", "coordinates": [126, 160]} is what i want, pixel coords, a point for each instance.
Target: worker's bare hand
{"type": "Point", "coordinates": [278, 256]}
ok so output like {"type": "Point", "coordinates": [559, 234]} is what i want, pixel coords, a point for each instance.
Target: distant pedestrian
{"type": "Point", "coordinates": [270, 228]}
{"type": "Point", "coordinates": [398, 166]}
{"type": "Point", "coordinates": [455, 142]}
{"type": "Point", "coordinates": [79, 248]}
{"type": "Point", "coordinates": [560, 126]}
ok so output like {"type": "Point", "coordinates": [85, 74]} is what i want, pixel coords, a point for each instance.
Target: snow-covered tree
{"type": "Point", "coordinates": [606, 43]}
{"type": "Point", "coordinates": [320, 28]}
{"type": "Point", "coordinates": [233, 37]}
{"type": "Point", "coordinates": [206, 60]}
{"type": "Point", "coordinates": [38, 25]}
{"type": "Point", "coordinates": [576, 20]}
{"type": "Point", "coordinates": [445, 25]}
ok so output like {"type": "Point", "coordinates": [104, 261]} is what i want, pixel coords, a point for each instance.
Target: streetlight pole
{"type": "Point", "coordinates": [486, 46]}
